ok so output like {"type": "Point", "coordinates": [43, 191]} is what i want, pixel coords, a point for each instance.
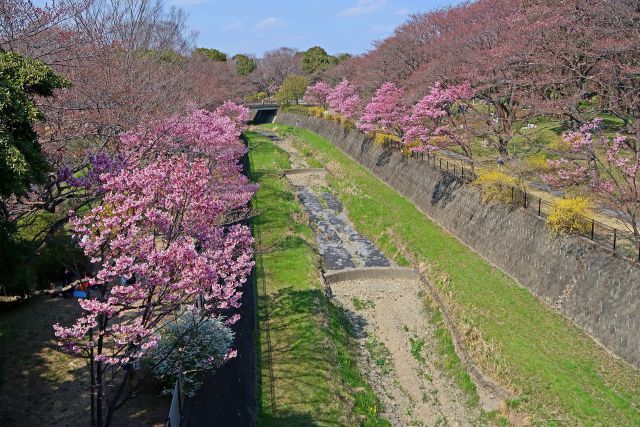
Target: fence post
{"type": "Point", "coordinates": [463, 172]}
{"type": "Point", "coordinates": [525, 200]}
{"type": "Point", "coordinates": [447, 165]}
{"type": "Point", "coordinates": [454, 169]}
{"type": "Point", "coordinates": [512, 198]}
{"type": "Point", "coordinates": [615, 236]}
{"type": "Point", "coordinates": [539, 206]}
{"type": "Point", "coordinates": [440, 164]}
{"type": "Point", "coordinates": [180, 393]}
{"type": "Point", "coordinates": [593, 228]}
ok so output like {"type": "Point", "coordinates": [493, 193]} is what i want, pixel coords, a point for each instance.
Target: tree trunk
{"type": "Point", "coordinates": [502, 147]}
{"type": "Point", "coordinates": [100, 394]}
{"type": "Point", "coordinates": [92, 393]}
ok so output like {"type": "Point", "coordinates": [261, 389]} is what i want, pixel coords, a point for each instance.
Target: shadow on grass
{"type": "Point", "coordinates": [40, 385]}
{"type": "Point", "coordinates": [298, 347]}
{"type": "Point", "coordinates": [291, 242]}
{"type": "Point", "coordinates": [288, 419]}
{"type": "Point", "coordinates": [314, 361]}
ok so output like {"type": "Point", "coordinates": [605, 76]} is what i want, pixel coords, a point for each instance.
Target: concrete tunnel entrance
{"type": "Point", "coordinates": [266, 115]}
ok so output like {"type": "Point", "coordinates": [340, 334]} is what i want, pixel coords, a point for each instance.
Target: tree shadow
{"type": "Point", "coordinates": [40, 385]}
{"type": "Point", "coordinates": [444, 190]}
{"type": "Point", "coordinates": [302, 358]}
{"type": "Point", "coordinates": [287, 419]}
{"type": "Point", "coordinates": [290, 242]}
{"type": "Point", "coordinates": [385, 156]}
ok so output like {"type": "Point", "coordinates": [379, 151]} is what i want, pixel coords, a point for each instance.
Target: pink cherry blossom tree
{"type": "Point", "coordinates": [344, 99]}
{"type": "Point", "coordinates": [608, 166]}
{"type": "Point", "coordinates": [435, 123]}
{"type": "Point", "coordinates": [165, 234]}
{"type": "Point", "coordinates": [239, 114]}
{"type": "Point", "coordinates": [317, 94]}
{"type": "Point", "coordinates": [385, 111]}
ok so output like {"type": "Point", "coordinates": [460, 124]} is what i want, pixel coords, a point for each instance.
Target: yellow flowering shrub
{"type": "Point", "coordinates": [570, 215]}
{"type": "Point", "coordinates": [345, 123]}
{"type": "Point", "coordinates": [382, 138]}
{"type": "Point", "coordinates": [499, 187]}
{"type": "Point", "coordinates": [537, 162]}
{"type": "Point", "coordinates": [406, 148]}
{"type": "Point", "coordinates": [316, 112]}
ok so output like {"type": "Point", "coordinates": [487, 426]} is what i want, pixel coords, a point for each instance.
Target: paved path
{"type": "Point", "coordinates": [339, 244]}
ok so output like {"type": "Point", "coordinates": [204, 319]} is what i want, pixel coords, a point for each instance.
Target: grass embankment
{"type": "Point", "coordinates": [312, 361]}
{"type": "Point", "coordinates": [560, 375]}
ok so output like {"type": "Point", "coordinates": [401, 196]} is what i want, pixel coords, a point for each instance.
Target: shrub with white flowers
{"type": "Point", "coordinates": [191, 346]}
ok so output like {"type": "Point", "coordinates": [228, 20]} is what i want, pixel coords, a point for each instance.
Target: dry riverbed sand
{"type": "Point", "coordinates": [399, 357]}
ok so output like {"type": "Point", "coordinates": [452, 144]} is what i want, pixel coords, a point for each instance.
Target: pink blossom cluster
{"type": "Point", "coordinates": [238, 113]}
{"type": "Point", "coordinates": [344, 99]}
{"type": "Point", "coordinates": [317, 94]}
{"type": "Point", "coordinates": [215, 134]}
{"type": "Point", "coordinates": [564, 173]}
{"type": "Point", "coordinates": [426, 118]}
{"type": "Point", "coordinates": [164, 234]}
{"type": "Point", "coordinates": [628, 165]}
{"type": "Point", "coordinates": [385, 111]}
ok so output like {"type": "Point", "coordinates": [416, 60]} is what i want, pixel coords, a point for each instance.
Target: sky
{"type": "Point", "coordinates": [255, 26]}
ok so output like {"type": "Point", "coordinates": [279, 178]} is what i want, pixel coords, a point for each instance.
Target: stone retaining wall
{"type": "Point", "coordinates": [590, 285]}
{"type": "Point", "coordinates": [369, 273]}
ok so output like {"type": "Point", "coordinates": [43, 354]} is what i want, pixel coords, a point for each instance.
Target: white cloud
{"type": "Point", "coordinates": [235, 25]}
{"type": "Point", "coordinates": [402, 12]}
{"type": "Point", "coordinates": [268, 23]}
{"type": "Point", "coordinates": [363, 7]}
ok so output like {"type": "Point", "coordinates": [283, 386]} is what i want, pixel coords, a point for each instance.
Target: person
{"type": "Point", "coordinates": [68, 276]}
{"type": "Point", "coordinates": [500, 160]}
{"type": "Point", "coordinates": [81, 290]}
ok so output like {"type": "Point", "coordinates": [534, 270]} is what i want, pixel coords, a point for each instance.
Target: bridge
{"type": "Point", "coordinates": [262, 112]}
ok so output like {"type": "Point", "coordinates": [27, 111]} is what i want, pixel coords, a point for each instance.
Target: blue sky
{"type": "Point", "coordinates": [254, 26]}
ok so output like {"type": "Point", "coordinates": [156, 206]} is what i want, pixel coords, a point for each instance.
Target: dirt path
{"type": "Point", "coordinates": [397, 343]}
